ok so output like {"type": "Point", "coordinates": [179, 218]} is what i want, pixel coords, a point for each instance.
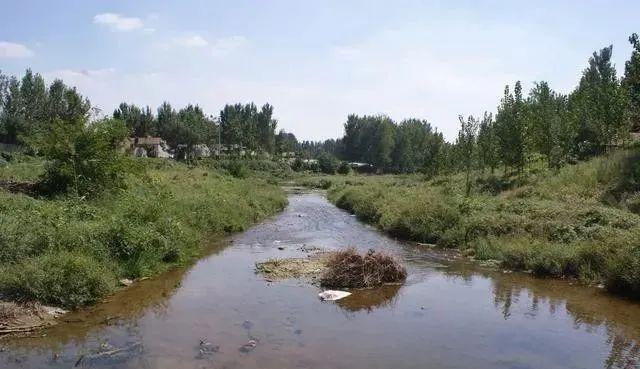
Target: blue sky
{"type": "Point", "coordinates": [316, 62]}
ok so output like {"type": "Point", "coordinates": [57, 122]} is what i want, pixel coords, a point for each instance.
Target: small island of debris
{"type": "Point", "coordinates": [345, 268]}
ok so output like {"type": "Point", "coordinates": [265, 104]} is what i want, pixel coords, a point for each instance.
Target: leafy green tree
{"type": "Point", "coordinates": [344, 168]}
{"type": "Point", "coordinates": [487, 144]}
{"type": "Point", "coordinates": [141, 122]}
{"type": "Point", "coordinates": [266, 127]}
{"type": "Point", "coordinates": [383, 144]}
{"type": "Point", "coordinates": [410, 145]}
{"type": "Point", "coordinates": [64, 102]}
{"type": "Point", "coordinates": [83, 159]}
{"type": "Point", "coordinates": [598, 106]}
{"type": "Point", "coordinates": [185, 130]}
{"type": "Point", "coordinates": [546, 117]}
{"type": "Point", "coordinates": [435, 154]}
{"type": "Point", "coordinates": [631, 83]}
{"type": "Point", "coordinates": [245, 126]}
{"type": "Point", "coordinates": [33, 94]}
{"type": "Point", "coordinates": [12, 120]}
{"type": "Point", "coordinates": [193, 128]}
{"type": "Point", "coordinates": [166, 125]}
{"type": "Point", "coordinates": [286, 142]}
{"type": "Point", "coordinates": [467, 144]}
{"type": "Point", "coordinates": [4, 89]}
{"type": "Point", "coordinates": [328, 163]}
{"type": "Point", "coordinates": [510, 128]}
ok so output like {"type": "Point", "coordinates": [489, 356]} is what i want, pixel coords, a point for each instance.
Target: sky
{"type": "Point", "coordinates": [316, 62]}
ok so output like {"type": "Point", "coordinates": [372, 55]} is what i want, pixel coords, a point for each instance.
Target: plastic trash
{"type": "Point", "coordinates": [331, 295]}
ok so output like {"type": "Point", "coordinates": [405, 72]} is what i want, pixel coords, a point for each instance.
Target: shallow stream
{"type": "Point", "coordinates": [449, 314]}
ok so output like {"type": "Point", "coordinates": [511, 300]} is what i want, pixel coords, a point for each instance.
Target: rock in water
{"type": "Point", "coordinates": [331, 295]}
{"type": "Point", "coordinates": [249, 346]}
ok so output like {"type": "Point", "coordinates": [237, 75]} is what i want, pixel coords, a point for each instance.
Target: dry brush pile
{"type": "Point", "coordinates": [349, 269]}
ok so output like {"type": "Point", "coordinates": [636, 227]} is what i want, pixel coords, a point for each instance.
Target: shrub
{"type": "Point", "coordinates": [161, 218]}
{"type": "Point", "coordinates": [622, 273]}
{"type": "Point", "coordinates": [237, 168]}
{"type": "Point", "coordinates": [64, 279]}
{"type": "Point", "coordinates": [344, 168]}
{"type": "Point", "coordinates": [83, 159]}
{"type": "Point", "coordinates": [297, 165]}
{"type": "Point", "coordinates": [350, 269]}
{"type": "Point", "coordinates": [327, 163]}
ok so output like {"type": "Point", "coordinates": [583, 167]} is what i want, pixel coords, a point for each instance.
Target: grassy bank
{"type": "Point", "coordinates": [581, 221]}
{"type": "Point", "coordinates": [70, 252]}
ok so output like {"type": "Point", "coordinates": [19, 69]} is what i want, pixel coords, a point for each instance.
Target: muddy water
{"type": "Point", "coordinates": [220, 314]}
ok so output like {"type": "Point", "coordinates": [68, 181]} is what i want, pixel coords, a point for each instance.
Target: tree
{"type": "Point", "coordinates": [140, 122]}
{"type": "Point", "coordinates": [510, 128]}
{"type": "Point", "coordinates": [245, 126]}
{"type": "Point", "coordinates": [467, 145]}
{"type": "Point", "coordinates": [631, 83]}
{"type": "Point", "coordinates": [410, 145]}
{"type": "Point", "coordinates": [266, 127]}
{"type": "Point", "coordinates": [487, 144]}
{"type": "Point", "coordinates": [33, 95]}
{"type": "Point", "coordinates": [193, 128]}
{"type": "Point", "coordinates": [83, 158]}
{"type": "Point", "coordinates": [285, 142]}
{"type": "Point", "coordinates": [598, 106]}
{"type": "Point", "coordinates": [545, 119]}
{"type": "Point", "coordinates": [12, 120]}
{"type": "Point", "coordinates": [328, 163]}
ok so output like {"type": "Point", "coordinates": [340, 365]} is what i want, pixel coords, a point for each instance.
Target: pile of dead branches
{"type": "Point", "coordinates": [350, 269]}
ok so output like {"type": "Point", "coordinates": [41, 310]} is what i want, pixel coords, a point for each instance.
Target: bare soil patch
{"type": "Point", "coordinates": [17, 318]}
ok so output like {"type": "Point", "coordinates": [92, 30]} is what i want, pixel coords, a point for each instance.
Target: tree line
{"type": "Point", "coordinates": [29, 107]}
{"type": "Point", "coordinates": [545, 124]}
{"type": "Point", "coordinates": [557, 128]}
{"type": "Point", "coordinates": [238, 127]}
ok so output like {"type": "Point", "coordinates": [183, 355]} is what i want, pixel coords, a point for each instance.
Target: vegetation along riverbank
{"type": "Point", "coordinates": [69, 251]}
{"type": "Point", "coordinates": [579, 221]}
{"type": "Point", "coordinates": [549, 183]}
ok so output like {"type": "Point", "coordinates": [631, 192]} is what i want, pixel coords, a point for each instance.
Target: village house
{"type": "Point", "coordinates": [152, 147]}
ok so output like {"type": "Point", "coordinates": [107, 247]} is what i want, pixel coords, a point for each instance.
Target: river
{"type": "Point", "coordinates": [449, 314]}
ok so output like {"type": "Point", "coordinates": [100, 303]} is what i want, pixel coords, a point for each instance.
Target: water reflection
{"type": "Point", "coordinates": [223, 315]}
{"type": "Point", "coordinates": [590, 309]}
{"type": "Point", "coordinates": [370, 299]}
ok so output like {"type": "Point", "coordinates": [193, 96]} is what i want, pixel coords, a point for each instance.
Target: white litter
{"type": "Point", "coordinates": [331, 295]}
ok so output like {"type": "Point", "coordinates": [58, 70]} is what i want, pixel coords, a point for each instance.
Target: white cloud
{"type": "Point", "coordinates": [346, 52]}
{"type": "Point", "coordinates": [13, 50]}
{"type": "Point", "coordinates": [227, 45]}
{"type": "Point", "coordinates": [191, 41]}
{"type": "Point", "coordinates": [75, 77]}
{"type": "Point", "coordinates": [117, 22]}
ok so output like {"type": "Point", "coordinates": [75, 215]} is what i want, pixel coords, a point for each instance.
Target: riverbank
{"type": "Point", "coordinates": [580, 221]}
{"type": "Point", "coordinates": [70, 252]}
{"type": "Point", "coordinates": [207, 314]}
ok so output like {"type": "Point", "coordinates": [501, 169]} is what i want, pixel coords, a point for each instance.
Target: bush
{"type": "Point", "coordinates": [555, 225]}
{"type": "Point", "coordinates": [327, 163]}
{"type": "Point", "coordinates": [297, 165]}
{"type": "Point", "coordinates": [350, 269]}
{"type": "Point", "coordinates": [157, 222]}
{"type": "Point", "coordinates": [63, 279]}
{"type": "Point", "coordinates": [622, 273]}
{"type": "Point", "coordinates": [344, 168]}
{"type": "Point", "coordinates": [83, 159]}
{"type": "Point", "coordinates": [237, 168]}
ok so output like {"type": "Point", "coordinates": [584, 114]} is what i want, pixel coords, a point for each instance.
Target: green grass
{"type": "Point", "coordinates": [71, 252]}
{"type": "Point", "coordinates": [20, 167]}
{"type": "Point", "coordinates": [581, 221]}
